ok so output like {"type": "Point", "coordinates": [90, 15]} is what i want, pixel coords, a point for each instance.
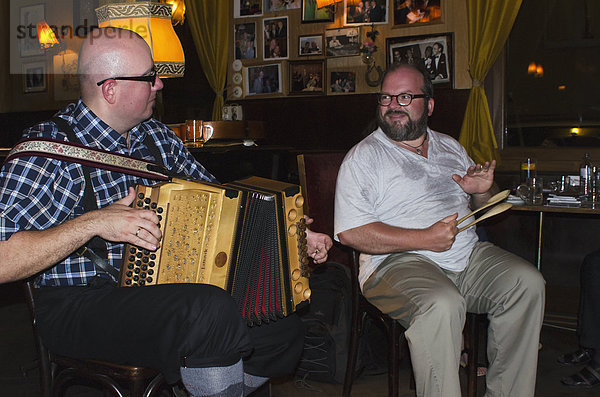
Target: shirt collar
{"type": "Point", "coordinates": [96, 133]}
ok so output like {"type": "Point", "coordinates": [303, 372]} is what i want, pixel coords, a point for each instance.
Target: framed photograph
{"type": "Point", "coordinates": [342, 82]}
{"type": "Point", "coordinates": [263, 79]}
{"type": "Point", "coordinates": [279, 5]}
{"type": "Point", "coordinates": [310, 45]}
{"type": "Point", "coordinates": [307, 77]}
{"type": "Point", "coordinates": [365, 12]}
{"type": "Point", "coordinates": [417, 12]}
{"type": "Point", "coordinates": [245, 40]}
{"type": "Point", "coordinates": [29, 16]}
{"type": "Point", "coordinates": [433, 52]}
{"type": "Point", "coordinates": [318, 11]}
{"type": "Point", "coordinates": [247, 8]}
{"type": "Point", "coordinates": [34, 77]}
{"type": "Point", "coordinates": [342, 42]}
{"type": "Point", "coordinates": [275, 38]}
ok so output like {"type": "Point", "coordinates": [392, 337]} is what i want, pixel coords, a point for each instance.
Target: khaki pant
{"type": "Point", "coordinates": [431, 304]}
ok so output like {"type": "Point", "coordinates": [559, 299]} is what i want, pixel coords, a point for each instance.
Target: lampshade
{"type": "Point", "coordinates": [152, 21]}
{"type": "Point", "coordinates": [46, 36]}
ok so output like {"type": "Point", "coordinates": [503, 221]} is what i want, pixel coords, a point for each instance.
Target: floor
{"type": "Point", "coordinates": [19, 375]}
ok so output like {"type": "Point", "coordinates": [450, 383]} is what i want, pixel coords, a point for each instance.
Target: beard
{"type": "Point", "coordinates": [408, 131]}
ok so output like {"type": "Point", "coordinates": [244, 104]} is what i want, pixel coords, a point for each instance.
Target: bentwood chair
{"type": "Point", "coordinates": [318, 174]}
{"type": "Point", "coordinates": [57, 373]}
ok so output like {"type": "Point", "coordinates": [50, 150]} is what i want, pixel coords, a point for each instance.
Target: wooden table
{"type": "Point", "coordinates": [552, 209]}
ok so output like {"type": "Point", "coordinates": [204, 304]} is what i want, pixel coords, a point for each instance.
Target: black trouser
{"type": "Point", "coordinates": [164, 327]}
{"type": "Point", "coordinates": [589, 307]}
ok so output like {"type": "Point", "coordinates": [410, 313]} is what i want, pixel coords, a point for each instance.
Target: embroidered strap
{"type": "Point", "coordinates": [69, 151]}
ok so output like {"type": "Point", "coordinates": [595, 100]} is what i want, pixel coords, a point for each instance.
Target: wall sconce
{"type": "Point", "coordinates": [152, 21]}
{"type": "Point", "coordinates": [535, 69]}
{"type": "Point", "coordinates": [46, 36]}
{"type": "Point", "coordinates": [325, 3]}
{"type": "Point", "coordinates": [177, 11]}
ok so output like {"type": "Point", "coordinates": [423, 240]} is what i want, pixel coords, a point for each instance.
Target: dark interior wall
{"type": "Point", "coordinates": [337, 123]}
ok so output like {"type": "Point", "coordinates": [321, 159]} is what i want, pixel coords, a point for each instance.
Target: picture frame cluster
{"type": "Point", "coordinates": [280, 58]}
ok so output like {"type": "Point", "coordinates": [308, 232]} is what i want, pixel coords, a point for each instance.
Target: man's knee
{"type": "Point", "coordinates": [530, 285]}
{"type": "Point", "coordinates": [445, 304]}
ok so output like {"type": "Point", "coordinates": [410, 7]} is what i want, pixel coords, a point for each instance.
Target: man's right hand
{"type": "Point", "coordinates": [119, 222]}
{"type": "Point", "coordinates": [441, 234]}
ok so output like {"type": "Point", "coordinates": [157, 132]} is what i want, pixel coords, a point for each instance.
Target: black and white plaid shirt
{"type": "Point", "coordinates": [37, 193]}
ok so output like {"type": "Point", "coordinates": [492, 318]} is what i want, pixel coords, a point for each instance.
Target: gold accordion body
{"type": "Point", "coordinates": [247, 237]}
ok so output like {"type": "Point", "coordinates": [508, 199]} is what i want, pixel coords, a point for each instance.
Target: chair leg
{"type": "Point", "coordinates": [394, 359]}
{"type": "Point", "coordinates": [472, 348]}
{"type": "Point", "coordinates": [352, 352]}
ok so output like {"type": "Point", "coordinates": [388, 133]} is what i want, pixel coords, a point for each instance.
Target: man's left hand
{"type": "Point", "coordinates": [317, 244]}
{"type": "Point", "coordinates": [478, 179]}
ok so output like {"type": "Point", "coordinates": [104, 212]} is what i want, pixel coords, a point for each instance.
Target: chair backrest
{"type": "Point", "coordinates": [318, 174]}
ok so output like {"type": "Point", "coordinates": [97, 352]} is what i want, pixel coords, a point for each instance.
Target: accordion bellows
{"type": "Point", "coordinates": [247, 237]}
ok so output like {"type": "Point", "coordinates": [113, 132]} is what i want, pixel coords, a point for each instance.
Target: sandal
{"type": "Point", "coordinates": [587, 378]}
{"type": "Point", "coordinates": [581, 356]}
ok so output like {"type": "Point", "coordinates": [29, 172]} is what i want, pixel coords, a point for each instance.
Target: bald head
{"type": "Point", "coordinates": [108, 55]}
{"type": "Point", "coordinates": [107, 52]}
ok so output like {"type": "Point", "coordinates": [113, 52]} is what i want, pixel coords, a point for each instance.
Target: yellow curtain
{"type": "Point", "coordinates": [209, 24]}
{"type": "Point", "coordinates": [489, 23]}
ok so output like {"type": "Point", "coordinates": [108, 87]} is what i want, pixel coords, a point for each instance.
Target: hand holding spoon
{"type": "Point", "coordinates": [496, 198]}
{"type": "Point", "coordinates": [494, 211]}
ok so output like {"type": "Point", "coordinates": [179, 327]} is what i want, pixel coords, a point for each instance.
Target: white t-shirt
{"type": "Point", "coordinates": [382, 182]}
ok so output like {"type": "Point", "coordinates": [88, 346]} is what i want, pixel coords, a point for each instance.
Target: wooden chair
{"type": "Point", "coordinates": [318, 174]}
{"type": "Point", "coordinates": [59, 372]}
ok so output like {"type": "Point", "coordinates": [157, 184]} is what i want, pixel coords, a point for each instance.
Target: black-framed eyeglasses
{"type": "Point", "coordinates": [150, 78]}
{"type": "Point", "coordinates": [403, 99]}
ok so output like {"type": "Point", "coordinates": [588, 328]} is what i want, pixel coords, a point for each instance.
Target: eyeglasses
{"type": "Point", "coordinates": [150, 78]}
{"type": "Point", "coordinates": [403, 99]}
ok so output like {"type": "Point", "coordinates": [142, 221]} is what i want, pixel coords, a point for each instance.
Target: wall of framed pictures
{"type": "Point", "coordinates": [326, 47]}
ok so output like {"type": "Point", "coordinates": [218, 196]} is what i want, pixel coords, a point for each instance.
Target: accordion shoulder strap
{"type": "Point", "coordinates": [76, 152]}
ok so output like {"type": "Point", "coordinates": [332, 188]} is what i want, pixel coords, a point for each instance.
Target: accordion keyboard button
{"type": "Point", "coordinates": [296, 274]}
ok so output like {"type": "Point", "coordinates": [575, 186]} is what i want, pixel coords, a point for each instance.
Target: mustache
{"type": "Point", "coordinates": [396, 112]}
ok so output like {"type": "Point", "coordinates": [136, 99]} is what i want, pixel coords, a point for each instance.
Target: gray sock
{"type": "Point", "coordinates": [252, 382]}
{"type": "Point", "coordinates": [214, 381]}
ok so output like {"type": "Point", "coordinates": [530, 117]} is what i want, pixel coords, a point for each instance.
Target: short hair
{"type": "Point", "coordinates": [427, 87]}
{"type": "Point", "coordinates": [437, 43]}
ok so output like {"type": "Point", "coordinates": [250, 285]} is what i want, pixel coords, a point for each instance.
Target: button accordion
{"type": "Point", "coordinates": [247, 237]}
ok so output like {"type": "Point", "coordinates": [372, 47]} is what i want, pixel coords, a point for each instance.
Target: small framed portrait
{"type": "Point", "coordinates": [307, 77]}
{"type": "Point", "coordinates": [318, 11]}
{"type": "Point", "coordinates": [417, 12]}
{"type": "Point", "coordinates": [275, 38]}
{"type": "Point", "coordinates": [310, 45]}
{"type": "Point", "coordinates": [365, 12]}
{"type": "Point", "coordinates": [263, 79]}
{"type": "Point", "coordinates": [433, 52]}
{"type": "Point", "coordinates": [247, 8]}
{"type": "Point", "coordinates": [341, 82]}
{"type": "Point", "coordinates": [29, 16]}
{"type": "Point", "coordinates": [34, 77]}
{"type": "Point", "coordinates": [280, 5]}
{"type": "Point", "coordinates": [245, 40]}
{"type": "Point", "coordinates": [342, 42]}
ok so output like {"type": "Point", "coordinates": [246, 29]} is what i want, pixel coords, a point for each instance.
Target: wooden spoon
{"type": "Point", "coordinates": [496, 198]}
{"type": "Point", "coordinates": [494, 211]}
